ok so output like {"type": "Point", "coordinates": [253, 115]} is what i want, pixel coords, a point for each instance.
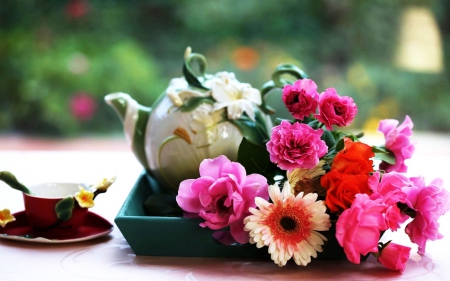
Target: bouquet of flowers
{"type": "Point", "coordinates": [309, 177]}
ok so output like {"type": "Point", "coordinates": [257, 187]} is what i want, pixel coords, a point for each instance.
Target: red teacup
{"type": "Point", "coordinates": [41, 214]}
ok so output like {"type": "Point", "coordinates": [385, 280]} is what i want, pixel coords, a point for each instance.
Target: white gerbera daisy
{"type": "Point", "coordinates": [288, 226]}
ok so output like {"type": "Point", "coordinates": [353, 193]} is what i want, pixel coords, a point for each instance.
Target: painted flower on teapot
{"type": "Point", "coordinates": [198, 117]}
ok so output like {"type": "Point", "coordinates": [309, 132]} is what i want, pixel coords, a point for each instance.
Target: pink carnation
{"type": "Point", "coordinates": [398, 141]}
{"type": "Point", "coordinates": [358, 228]}
{"type": "Point", "coordinates": [389, 190]}
{"type": "Point", "coordinates": [296, 146]}
{"type": "Point", "coordinates": [335, 110]}
{"type": "Point", "coordinates": [301, 99]}
{"type": "Point", "coordinates": [394, 256]}
{"type": "Point", "coordinates": [429, 202]}
{"type": "Point", "coordinates": [222, 195]}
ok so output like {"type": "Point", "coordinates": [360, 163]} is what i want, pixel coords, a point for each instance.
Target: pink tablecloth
{"type": "Point", "coordinates": [110, 257]}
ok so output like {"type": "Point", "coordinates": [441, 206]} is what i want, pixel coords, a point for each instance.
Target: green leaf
{"type": "Point", "coordinates": [251, 130]}
{"type": "Point", "coordinates": [11, 180]}
{"type": "Point", "coordinates": [194, 102]}
{"type": "Point", "coordinates": [64, 208]}
{"type": "Point", "coordinates": [328, 138]}
{"type": "Point", "coordinates": [255, 158]}
{"type": "Point", "coordinates": [314, 124]}
{"type": "Point", "coordinates": [261, 123]}
{"type": "Point", "coordinates": [383, 154]}
{"type": "Point", "coordinates": [162, 204]}
{"type": "Point", "coordinates": [340, 145]}
{"type": "Point", "coordinates": [279, 120]}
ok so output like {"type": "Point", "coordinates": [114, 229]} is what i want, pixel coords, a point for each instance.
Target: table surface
{"type": "Point", "coordinates": [111, 258]}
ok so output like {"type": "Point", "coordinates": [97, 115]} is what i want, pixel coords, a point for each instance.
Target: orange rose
{"type": "Point", "coordinates": [354, 158]}
{"type": "Point", "coordinates": [342, 188]}
{"type": "Point", "coordinates": [348, 175]}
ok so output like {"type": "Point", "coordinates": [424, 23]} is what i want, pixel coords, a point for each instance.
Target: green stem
{"type": "Point", "coordinates": [158, 160]}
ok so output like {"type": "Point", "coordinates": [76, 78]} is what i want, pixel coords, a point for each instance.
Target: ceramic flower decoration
{"type": "Point", "coordinates": [235, 96]}
{"type": "Point", "coordinates": [205, 123]}
{"type": "Point", "coordinates": [104, 184]}
{"type": "Point", "coordinates": [5, 217]}
{"type": "Point", "coordinates": [329, 178]}
{"type": "Point", "coordinates": [84, 198]}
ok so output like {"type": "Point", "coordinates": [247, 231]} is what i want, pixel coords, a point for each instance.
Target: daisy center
{"type": "Point", "coordinates": [289, 224]}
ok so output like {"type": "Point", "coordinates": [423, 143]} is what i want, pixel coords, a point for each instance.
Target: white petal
{"type": "Point", "coordinates": [262, 204]}
{"type": "Point", "coordinates": [249, 109]}
{"type": "Point", "coordinates": [235, 110]}
{"type": "Point", "coordinates": [275, 194]}
{"type": "Point", "coordinates": [286, 192]}
{"type": "Point", "coordinates": [223, 93]}
{"type": "Point", "coordinates": [251, 94]}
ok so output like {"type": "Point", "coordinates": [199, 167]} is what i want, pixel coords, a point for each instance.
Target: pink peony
{"type": "Point", "coordinates": [296, 146]}
{"type": "Point", "coordinates": [301, 99]}
{"type": "Point", "coordinates": [394, 256]}
{"type": "Point", "coordinates": [429, 202]}
{"type": "Point", "coordinates": [398, 141]}
{"type": "Point", "coordinates": [222, 195]}
{"type": "Point", "coordinates": [358, 228]}
{"type": "Point", "coordinates": [335, 110]}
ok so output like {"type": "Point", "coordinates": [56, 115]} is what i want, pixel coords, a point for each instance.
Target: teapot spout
{"type": "Point", "coordinates": [134, 118]}
{"type": "Point", "coordinates": [119, 102]}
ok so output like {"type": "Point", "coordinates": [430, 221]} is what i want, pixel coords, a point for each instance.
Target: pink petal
{"type": "Point", "coordinates": [212, 167]}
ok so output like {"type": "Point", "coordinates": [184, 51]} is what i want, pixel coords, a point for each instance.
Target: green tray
{"type": "Point", "coordinates": [177, 236]}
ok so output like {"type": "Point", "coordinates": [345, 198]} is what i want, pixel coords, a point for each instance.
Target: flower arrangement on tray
{"type": "Point", "coordinates": [301, 187]}
{"type": "Point", "coordinates": [310, 176]}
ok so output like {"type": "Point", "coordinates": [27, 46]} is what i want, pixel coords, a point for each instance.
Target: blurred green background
{"type": "Point", "coordinates": [58, 59]}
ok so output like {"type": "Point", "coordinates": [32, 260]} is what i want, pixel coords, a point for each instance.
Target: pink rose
{"type": "Point", "coordinates": [394, 256]}
{"type": "Point", "coordinates": [398, 141]}
{"type": "Point", "coordinates": [358, 228]}
{"type": "Point", "coordinates": [222, 195]}
{"type": "Point", "coordinates": [296, 146]}
{"type": "Point", "coordinates": [301, 99]}
{"type": "Point", "coordinates": [429, 202]}
{"type": "Point", "coordinates": [335, 110]}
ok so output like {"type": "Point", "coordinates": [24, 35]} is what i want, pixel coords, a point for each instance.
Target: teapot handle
{"type": "Point", "coordinates": [279, 80]}
{"type": "Point", "coordinates": [188, 72]}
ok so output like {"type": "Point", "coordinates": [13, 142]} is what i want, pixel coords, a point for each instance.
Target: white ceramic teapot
{"type": "Point", "coordinates": [197, 117]}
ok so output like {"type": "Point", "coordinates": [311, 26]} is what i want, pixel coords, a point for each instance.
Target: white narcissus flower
{"type": "Point", "coordinates": [204, 123]}
{"type": "Point", "coordinates": [178, 92]}
{"type": "Point", "coordinates": [289, 226]}
{"type": "Point", "coordinates": [235, 96]}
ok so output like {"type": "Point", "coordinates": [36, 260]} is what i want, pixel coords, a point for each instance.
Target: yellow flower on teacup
{"type": "Point", "coordinates": [6, 217]}
{"type": "Point", "coordinates": [85, 198]}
